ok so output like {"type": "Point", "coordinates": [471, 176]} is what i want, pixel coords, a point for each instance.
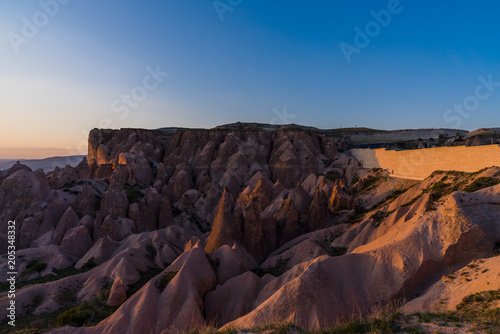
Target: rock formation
{"type": "Point", "coordinates": [169, 230]}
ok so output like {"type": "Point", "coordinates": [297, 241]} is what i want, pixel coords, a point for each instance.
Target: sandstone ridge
{"type": "Point", "coordinates": [171, 230]}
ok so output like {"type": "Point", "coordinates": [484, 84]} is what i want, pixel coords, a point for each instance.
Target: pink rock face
{"type": "Point", "coordinates": [20, 190]}
{"type": "Point", "coordinates": [179, 184]}
{"type": "Point", "coordinates": [155, 308]}
{"type": "Point", "coordinates": [83, 170]}
{"type": "Point", "coordinates": [318, 214]}
{"type": "Point", "coordinates": [68, 220]}
{"type": "Point", "coordinates": [114, 202]}
{"type": "Point", "coordinates": [303, 298]}
{"type": "Point", "coordinates": [224, 231]}
{"type": "Point", "coordinates": [340, 199]}
{"type": "Point", "coordinates": [51, 217]}
{"type": "Point", "coordinates": [76, 241]}
{"type": "Point", "coordinates": [104, 171]}
{"type": "Point", "coordinates": [165, 217]}
{"type": "Point", "coordinates": [287, 219]}
{"type": "Point", "coordinates": [235, 298]}
{"type": "Point", "coordinates": [118, 293]}
{"type": "Point", "coordinates": [60, 177]}
{"type": "Point", "coordinates": [86, 201]}
{"type": "Point", "coordinates": [242, 225]}
{"type": "Point", "coordinates": [301, 199]}
{"type": "Point", "coordinates": [115, 228]}
{"type": "Point", "coordinates": [145, 213]}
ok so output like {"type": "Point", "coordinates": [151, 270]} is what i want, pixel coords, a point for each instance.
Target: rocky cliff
{"type": "Point", "coordinates": [173, 229]}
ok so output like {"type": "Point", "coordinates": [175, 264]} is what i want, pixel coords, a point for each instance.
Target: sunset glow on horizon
{"type": "Point", "coordinates": [70, 66]}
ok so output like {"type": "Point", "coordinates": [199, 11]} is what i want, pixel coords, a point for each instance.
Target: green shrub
{"type": "Point", "coordinates": [277, 270]}
{"type": "Point", "coordinates": [480, 183]}
{"type": "Point", "coordinates": [413, 200]}
{"type": "Point", "coordinates": [162, 283]}
{"type": "Point", "coordinates": [74, 317]}
{"type": "Point", "coordinates": [151, 252]}
{"type": "Point", "coordinates": [34, 266]}
{"type": "Point", "coordinates": [56, 275]}
{"type": "Point", "coordinates": [134, 193]}
{"type": "Point", "coordinates": [333, 175]}
{"type": "Point", "coordinates": [146, 276]}
{"type": "Point", "coordinates": [332, 251]}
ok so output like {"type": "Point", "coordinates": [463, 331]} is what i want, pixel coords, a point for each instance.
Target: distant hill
{"type": "Point", "coordinates": [47, 164]}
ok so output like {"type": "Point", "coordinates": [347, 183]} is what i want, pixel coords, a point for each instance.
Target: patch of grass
{"type": "Point", "coordinates": [413, 200]}
{"type": "Point", "coordinates": [151, 252]}
{"type": "Point", "coordinates": [414, 330]}
{"type": "Point", "coordinates": [379, 216]}
{"type": "Point", "coordinates": [146, 276]}
{"type": "Point", "coordinates": [371, 182]}
{"type": "Point", "coordinates": [56, 275]}
{"type": "Point", "coordinates": [66, 297]}
{"type": "Point", "coordinates": [333, 175]}
{"type": "Point", "coordinates": [426, 317]}
{"type": "Point", "coordinates": [396, 193]}
{"type": "Point", "coordinates": [162, 283]}
{"type": "Point", "coordinates": [385, 323]}
{"type": "Point", "coordinates": [480, 183]}
{"type": "Point", "coordinates": [134, 193]}
{"type": "Point", "coordinates": [34, 266]}
{"type": "Point", "coordinates": [440, 185]}
{"type": "Point", "coordinates": [89, 312]}
{"type": "Point", "coordinates": [477, 308]}
{"type": "Point", "coordinates": [332, 251]}
{"type": "Point", "coordinates": [277, 270]}
{"type": "Point", "coordinates": [327, 162]}
{"type": "Point", "coordinates": [355, 179]}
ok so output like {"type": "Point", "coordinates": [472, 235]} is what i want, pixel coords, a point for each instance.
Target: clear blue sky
{"type": "Point", "coordinates": [262, 59]}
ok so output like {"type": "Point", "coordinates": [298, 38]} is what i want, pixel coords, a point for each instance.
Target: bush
{"type": "Point", "coordinates": [151, 252]}
{"type": "Point", "coordinates": [134, 193]}
{"type": "Point", "coordinates": [332, 251]}
{"type": "Point", "coordinates": [333, 175]}
{"type": "Point", "coordinates": [35, 266]}
{"type": "Point", "coordinates": [277, 270]}
{"type": "Point", "coordinates": [74, 317]}
{"type": "Point", "coordinates": [162, 283]}
{"type": "Point", "coordinates": [480, 183]}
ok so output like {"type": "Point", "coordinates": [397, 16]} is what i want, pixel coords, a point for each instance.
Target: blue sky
{"type": "Point", "coordinates": [266, 61]}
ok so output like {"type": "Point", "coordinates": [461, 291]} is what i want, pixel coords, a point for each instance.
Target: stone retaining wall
{"type": "Point", "coordinates": [419, 164]}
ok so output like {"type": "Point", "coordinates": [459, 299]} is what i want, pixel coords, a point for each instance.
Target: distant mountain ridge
{"type": "Point", "coordinates": [47, 164]}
